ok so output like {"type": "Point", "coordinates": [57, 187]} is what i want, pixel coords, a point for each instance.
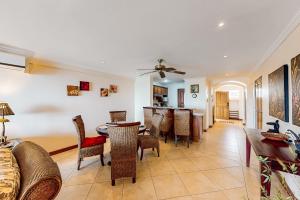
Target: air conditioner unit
{"type": "Point", "coordinates": [14, 58]}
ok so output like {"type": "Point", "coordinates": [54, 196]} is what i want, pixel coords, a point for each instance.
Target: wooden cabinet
{"type": "Point", "coordinates": [158, 90]}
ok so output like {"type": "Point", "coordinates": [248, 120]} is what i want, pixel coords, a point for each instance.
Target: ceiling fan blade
{"type": "Point", "coordinates": [169, 69]}
{"type": "Point", "coordinates": [162, 74]}
{"type": "Point", "coordinates": [144, 69]}
{"type": "Point", "coordinates": [178, 72]}
{"type": "Point", "coordinates": [147, 73]}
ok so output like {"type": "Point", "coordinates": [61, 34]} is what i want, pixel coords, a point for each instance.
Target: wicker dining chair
{"type": "Point", "coordinates": [123, 139]}
{"type": "Point", "coordinates": [117, 116]}
{"type": "Point", "coordinates": [166, 123]}
{"type": "Point", "coordinates": [151, 140]}
{"type": "Point", "coordinates": [182, 125]}
{"type": "Point", "coordinates": [148, 112]}
{"type": "Point", "coordinates": [88, 146]}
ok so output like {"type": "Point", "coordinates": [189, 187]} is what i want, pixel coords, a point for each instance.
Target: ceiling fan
{"type": "Point", "coordinates": [161, 69]}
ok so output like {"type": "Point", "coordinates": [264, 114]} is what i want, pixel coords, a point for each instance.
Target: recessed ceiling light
{"type": "Point", "coordinates": [221, 24]}
{"type": "Point", "coordinates": [166, 80]}
{"type": "Point", "coordinates": [225, 56]}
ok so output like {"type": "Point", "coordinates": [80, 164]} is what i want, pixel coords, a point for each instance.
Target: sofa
{"type": "Point", "coordinates": [27, 172]}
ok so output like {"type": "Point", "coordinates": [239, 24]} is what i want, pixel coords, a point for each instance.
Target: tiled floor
{"type": "Point", "coordinates": [211, 169]}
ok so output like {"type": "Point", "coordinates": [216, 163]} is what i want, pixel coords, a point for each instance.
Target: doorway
{"type": "Point", "coordinates": [180, 98]}
{"type": "Point", "coordinates": [258, 102]}
{"type": "Point", "coordinates": [222, 105]}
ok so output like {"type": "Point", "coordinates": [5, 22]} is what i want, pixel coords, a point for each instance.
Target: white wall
{"type": "Point", "coordinates": [43, 111]}
{"type": "Point", "coordinates": [172, 93]}
{"type": "Point", "coordinates": [283, 55]}
{"type": "Point", "coordinates": [201, 101]}
{"type": "Point", "coordinates": [143, 95]}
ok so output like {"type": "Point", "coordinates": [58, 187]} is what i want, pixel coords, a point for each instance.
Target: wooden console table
{"type": "Point", "coordinates": [272, 150]}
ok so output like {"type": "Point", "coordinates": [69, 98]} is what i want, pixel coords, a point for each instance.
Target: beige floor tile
{"type": "Point", "coordinates": [104, 174]}
{"type": "Point", "coordinates": [183, 165]}
{"type": "Point", "coordinates": [210, 196]}
{"type": "Point", "coordinates": [214, 168]}
{"type": "Point", "coordinates": [205, 163]}
{"type": "Point", "coordinates": [142, 170]}
{"type": "Point", "coordinates": [236, 194]}
{"type": "Point", "coordinates": [175, 154]}
{"type": "Point", "coordinates": [159, 168]}
{"type": "Point", "coordinates": [223, 179]}
{"type": "Point", "coordinates": [105, 191]}
{"type": "Point", "coordinates": [142, 189]}
{"type": "Point", "coordinates": [85, 175]}
{"type": "Point", "coordinates": [76, 192]}
{"type": "Point", "coordinates": [197, 183]}
{"type": "Point", "coordinates": [169, 186]}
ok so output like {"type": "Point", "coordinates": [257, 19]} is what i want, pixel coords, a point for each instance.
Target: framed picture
{"type": "Point", "coordinates": [104, 92]}
{"type": "Point", "coordinates": [278, 94]}
{"type": "Point", "coordinates": [195, 88]}
{"type": "Point", "coordinates": [72, 90]}
{"type": "Point", "coordinates": [84, 86]}
{"type": "Point", "coordinates": [113, 88]}
{"type": "Point", "coordinates": [295, 68]}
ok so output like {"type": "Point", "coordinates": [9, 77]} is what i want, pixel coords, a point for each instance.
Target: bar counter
{"type": "Point", "coordinates": [196, 122]}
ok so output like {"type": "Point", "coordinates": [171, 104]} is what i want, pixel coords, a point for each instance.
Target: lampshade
{"type": "Point", "coordinates": [5, 109]}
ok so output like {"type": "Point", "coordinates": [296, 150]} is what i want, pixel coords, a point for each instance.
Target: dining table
{"type": "Point", "coordinates": [102, 129]}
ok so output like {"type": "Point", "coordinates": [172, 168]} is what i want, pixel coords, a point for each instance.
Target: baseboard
{"type": "Point", "coordinates": [51, 153]}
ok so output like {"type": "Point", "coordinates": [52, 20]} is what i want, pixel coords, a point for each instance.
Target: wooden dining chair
{"type": "Point", "coordinates": [151, 140]}
{"type": "Point", "coordinates": [123, 139]}
{"type": "Point", "coordinates": [88, 146]}
{"type": "Point", "coordinates": [182, 125]}
{"type": "Point", "coordinates": [117, 116]}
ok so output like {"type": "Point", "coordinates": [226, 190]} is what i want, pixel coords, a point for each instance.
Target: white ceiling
{"type": "Point", "coordinates": [134, 33]}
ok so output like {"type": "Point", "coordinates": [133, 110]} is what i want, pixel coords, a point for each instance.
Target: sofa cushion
{"type": "Point", "coordinates": [9, 175]}
{"type": "Point", "coordinates": [92, 141]}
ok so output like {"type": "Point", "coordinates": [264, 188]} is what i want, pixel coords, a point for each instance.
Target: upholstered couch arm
{"type": "Point", "coordinates": [40, 176]}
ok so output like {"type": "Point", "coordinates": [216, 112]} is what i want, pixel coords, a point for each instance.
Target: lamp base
{"type": "Point", "coordinates": [3, 140]}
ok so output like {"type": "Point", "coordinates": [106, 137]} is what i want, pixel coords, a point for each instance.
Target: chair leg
{"type": "Point", "coordinates": [152, 149]}
{"type": "Point", "coordinates": [176, 139]}
{"type": "Point", "coordinates": [113, 182]}
{"type": "Point", "coordinates": [133, 180]}
{"type": "Point", "coordinates": [166, 137]}
{"type": "Point", "coordinates": [78, 162]}
{"type": "Point", "coordinates": [102, 159]}
{"type": "Point", "coordinates": [142, 153]}
{"type": "Point", "coordinates": [188, 141]}
{"type": "Point", "coordinates": [157, 151]}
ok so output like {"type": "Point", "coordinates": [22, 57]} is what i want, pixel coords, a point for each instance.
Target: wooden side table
{"type": "Point", "coordinates": [273, 151]}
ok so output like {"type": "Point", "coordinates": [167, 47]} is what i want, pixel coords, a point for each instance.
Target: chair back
{"type": "Point", "coordinates": [156, 124]}
{"type": "Point", "coordinates": [167, 119]}
{"type": "Point", "coordinates": [182, 122]}
{"type": "Point", "coordinates": [148, 112]}
{"type": "Point", "coordinates": [78, 122]}
{"type": "Point", "coordinates": [117, 116]}
{"type": "Point", "coordinates": [123, 139]}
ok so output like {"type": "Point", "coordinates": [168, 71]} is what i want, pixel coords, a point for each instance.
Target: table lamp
{"type": "Point", "coordinates": [4, 111]}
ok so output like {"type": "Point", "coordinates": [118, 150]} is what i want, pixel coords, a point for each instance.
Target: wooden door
{"type": "Point", "coordinates": [180, 98]}
{"type": "Point", "coordinates": [222, 105]}
{"type": "Point", "coordinates": [258, 103]}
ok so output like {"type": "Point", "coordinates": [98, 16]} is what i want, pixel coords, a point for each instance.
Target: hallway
{"type": "Point", "coordinates": [212, 169]}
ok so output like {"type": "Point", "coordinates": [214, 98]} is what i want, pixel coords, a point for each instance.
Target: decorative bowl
{"type": "Point", "coordinates": [275, 136]}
